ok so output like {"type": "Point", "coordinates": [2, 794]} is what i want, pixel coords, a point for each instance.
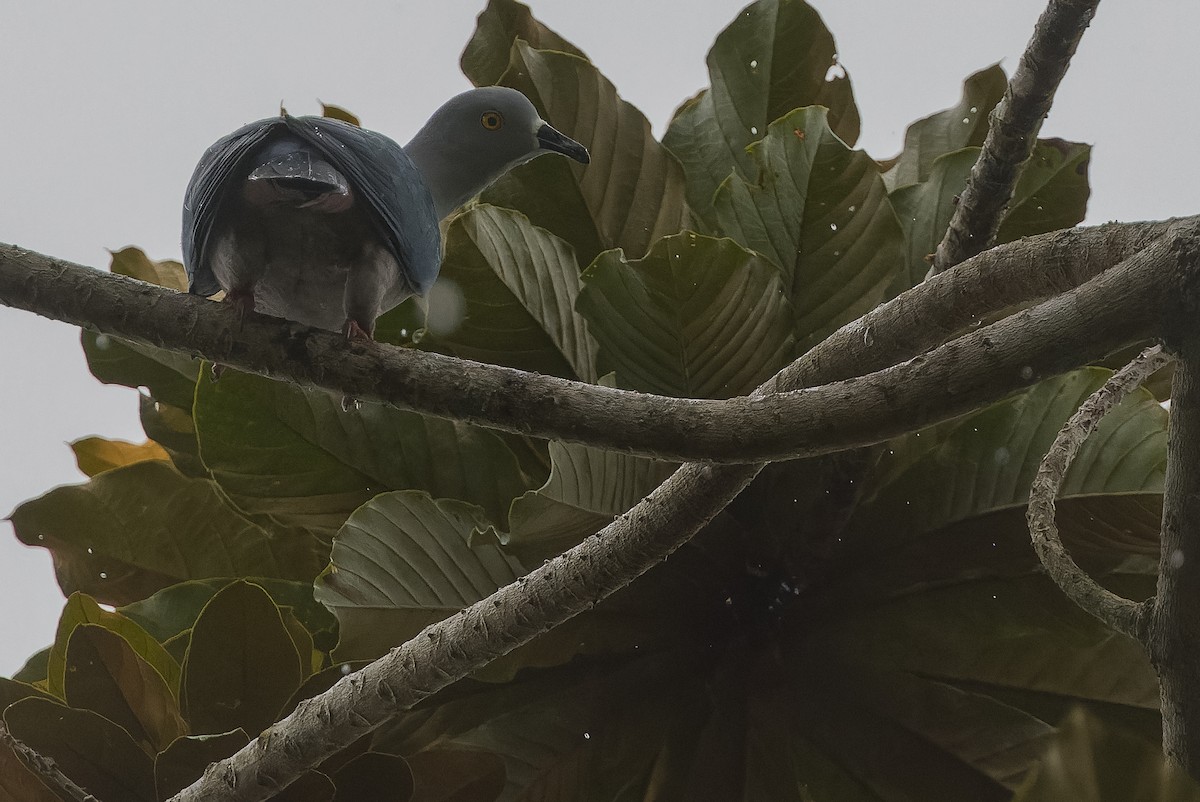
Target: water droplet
{"type": "Point", "coordinates": [90, 550]}
{"type": "Point", "coordinates": [966, 120]}
{"type": "Point", "coordinates": [345, 669]}
{"type": "Point", "coordinates": [853, 208]}
{"type": "Point", "coordinates": [587, 736]}
{"type": "Point", "coordinates": [753, 63]}
{"type": "Point", "coordinates": [833, 226]}
{"type": "Point", "coordinates": [974, 109]}
{"type": "Point", "coordinates": [754, 129]}
{"type": "Point", "coordinates": [104, 575]}
{"type": "Point", "coordinates": [103, 342]}
{"type": "Point", "coordinates": [1177, 558]}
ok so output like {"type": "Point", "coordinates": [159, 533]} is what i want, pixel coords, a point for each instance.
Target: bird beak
{"type": "Point", "coordinates": [550, 139]}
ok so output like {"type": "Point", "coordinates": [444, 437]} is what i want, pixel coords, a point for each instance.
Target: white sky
{"type": "Point", "coordinates": [105, 108]}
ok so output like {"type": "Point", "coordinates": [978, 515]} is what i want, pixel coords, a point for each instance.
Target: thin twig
{"type": "Point", "coordinates": [45, 768]}
{"type": "Point", "coordinates": [1012, 133]}
{"type": "Point", "coordinates": [1121, 614]}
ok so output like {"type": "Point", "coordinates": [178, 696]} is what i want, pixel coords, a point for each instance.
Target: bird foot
{"type": "Point", "coordinates": [353, 331]}
{"type": "Point", "coordinates": [242, 299]}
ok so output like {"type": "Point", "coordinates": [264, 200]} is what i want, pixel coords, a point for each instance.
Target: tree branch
{"type": "Point", "coordinates": [978, 368]}
{"type": "Point", "coordinates": [45, 768]}
{"type": "Point", "coordinates": [1012, 132]}
{"type": "Point", "coordinates": [449, 650]}
{"type": "Point", "coordinates": [1121, 614]}
{"type": "Point", "coordinates": [1174, 637]}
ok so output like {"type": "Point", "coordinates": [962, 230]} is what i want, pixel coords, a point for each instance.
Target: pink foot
{"type": "Point", "coordinates": [353, 331]}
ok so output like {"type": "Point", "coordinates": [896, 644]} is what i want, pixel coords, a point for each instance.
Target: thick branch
{"type": "Point", "coordinates": [1174, 638]}
{"type": "Point", "coordinates": [1012, 134]}
{"type": "Point", "coordinates": [979, 368]}
{"type": "Point", "coordinates": [1121, 614]}
{"type": "Point", "coordinates": [451, 649]}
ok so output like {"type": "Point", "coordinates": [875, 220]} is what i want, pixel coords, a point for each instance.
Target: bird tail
{"type": "Point", "coordinates": [298, 177]}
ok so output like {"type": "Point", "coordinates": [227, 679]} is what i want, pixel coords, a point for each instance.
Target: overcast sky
{"type": "Point", "coordinates": [106, 106]}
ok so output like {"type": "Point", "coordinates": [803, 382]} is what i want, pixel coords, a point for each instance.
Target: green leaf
{"type": "Point", "coordinates": [184, 761]}
{"type": "Point", "coordinates": [134, 530]}
{"type": "Point", "coordinates": [374, 775]}
{"type": "Point", "coordinates": [173, 430]}
{"type": "Point", "coordinates": [168, 375]}
{"type": "Point", "coordinates": [1090, 761]}
{"type": "Point", "coordinates": [105, 675]}
{"type": "Point", "coordinates": [403, 561]}
{"type": "Point", "coordinates": [175, 609]}
{"type": "Point", "coordinates": [632, 192]}
{"type": "Point", "coordinates": [453, 775]}
{"type": "Point", "coordinates": [298, 460]}
{"type": "Point", "coordinates": [518, 285]}
{"type": "Point", "coordinates": [487, 55]}
{"type": "Point", "coordinates": [35, 668]}
{"type": "Point", "coordinates": [81, 610]}
{"type": "Point", "coordinates": [1051, 194]}
{"type": "Point", "coordinates": [241, 664]}
{"type": "Point", "coordinates": [819, 211]}
{"type": "Point", "coordinates": [773, 58]}
{"type": "Point", "coordinates": [588, 487]}
{"type": "Point", "coordinates": [697, 318]}
{"type": "Point", "coordinates": [986, 461]}
{"type": "Point", "coordinates": [961, 126]}
{"type": "Point", "coordinates": [94, 752]}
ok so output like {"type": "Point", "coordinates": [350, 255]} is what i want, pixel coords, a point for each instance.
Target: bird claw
{"type": "Point", "coordinates": [353, 331]}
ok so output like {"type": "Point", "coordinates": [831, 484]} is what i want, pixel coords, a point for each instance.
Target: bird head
{"type": "Point", "coordinates": [479, 135]}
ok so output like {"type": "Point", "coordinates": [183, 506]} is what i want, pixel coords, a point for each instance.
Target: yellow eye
{"type": "Point", "coordinates": [492, 120]}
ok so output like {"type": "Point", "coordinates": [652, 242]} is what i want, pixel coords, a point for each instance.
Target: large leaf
{"type": "Point", "coordinates": [519, 284]}
{"type": "Point", "coordinates": [1051, 194]}
{"type": "Point", "coordinates": [487, 55]}
{"type": "Point", "coordinates": [175, 609]}
{"type": "Point", "coordinates": [1091, 761]}
{"type": "Point", "coordinates": [588, 487]}
{"type": "Point", "coordinates": [168, 375]}
{"type": "Point", "coordinates": [981, 463]}
{"type": "Point", "coordinates": [697, 318]}
{"type": "Point", "coordinates": [294, 456]}
{"type": "Point", "coordinates": [136, 529]}
{"type": "Point", "coordinates": [403, 561]}
{"type": "Point", "coordinates": [776, 56]}
{"type": "Point", "coordinates": [630, 194]}
{"type": "Point", "coordinates": [961, 126]}
{"type": "Point", "coordinates": [94, 752]}
{"type": "Point", "coordinates": [82, 610]}
{"type": "Point", "coordinates": [241, 665]}
{"type": "Point", "coordinates": [453, 775]}
{"type": "Point", "coordinates": [819, 211]}
{"type": "Point", "coordinates": [105, 675]}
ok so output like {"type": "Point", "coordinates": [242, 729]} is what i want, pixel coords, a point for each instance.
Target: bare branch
{"type": "Point", "coordinates": [1121, 614]}
{"type": "Point", "coordinates": [981, 367]}
{"type": "Point", "coordinates": [1174, 636]}
{"type": "Point", "coordinates": [1014, 124]}
{"type": "Point", "coordinates": [46, 769]}
{"type": "Point", "coordinates": [564, 587]}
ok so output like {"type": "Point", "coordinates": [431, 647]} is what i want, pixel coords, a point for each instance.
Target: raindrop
{"type": "Point", "coordinates": [103, 342]}
{"type": "Point", "coordinates": [837, 253]}
{"type": "Point", "coordinates": [966, 120]}
{"type": "Point", "coordinates": [403, 332]}
{"type": "Point", "coordinates": [90, 550]}
{"type": "Point", "coordinates": [754, 129]}
{"type": "Point", "coordinates": [41, 537]}
{"type": "Point", "coordinates": [1177, 558]}
{"type": "Point", "coordinates": [728, 601]}
{"type": "Point", "coordinates": [974, 109]}
{"type": "Point", "coordinates": [345, 669]}
{"type": "Point", "coordinates": [853, 208]}
{"type": "Point", "coordinates": [104, 575]}
{"type": "Point", "coordinates": [587, 736]}
{"type": "Point", "coordinates": [833, 226]}
{"type": "Point", "coordinates": [753, 63]}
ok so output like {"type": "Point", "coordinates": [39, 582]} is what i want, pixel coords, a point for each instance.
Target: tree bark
{"type": "Point", "coordinates": [1012, 131]}
{"type": "Point", "coordinates": [1174, 640]}
{"type": "Point", "coordinates": [979, 368]}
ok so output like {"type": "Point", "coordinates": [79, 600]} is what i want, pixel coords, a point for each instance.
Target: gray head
{"type": "Point", "coordinates": [476, 137]}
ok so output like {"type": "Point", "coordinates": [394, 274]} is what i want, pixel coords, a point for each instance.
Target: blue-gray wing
{"type": "Point", "coordinates": [224, 161]}
{"type": "Point", "coordinates": [397, 197]}
{"type": "Point", "coordinates": [394, 192]}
